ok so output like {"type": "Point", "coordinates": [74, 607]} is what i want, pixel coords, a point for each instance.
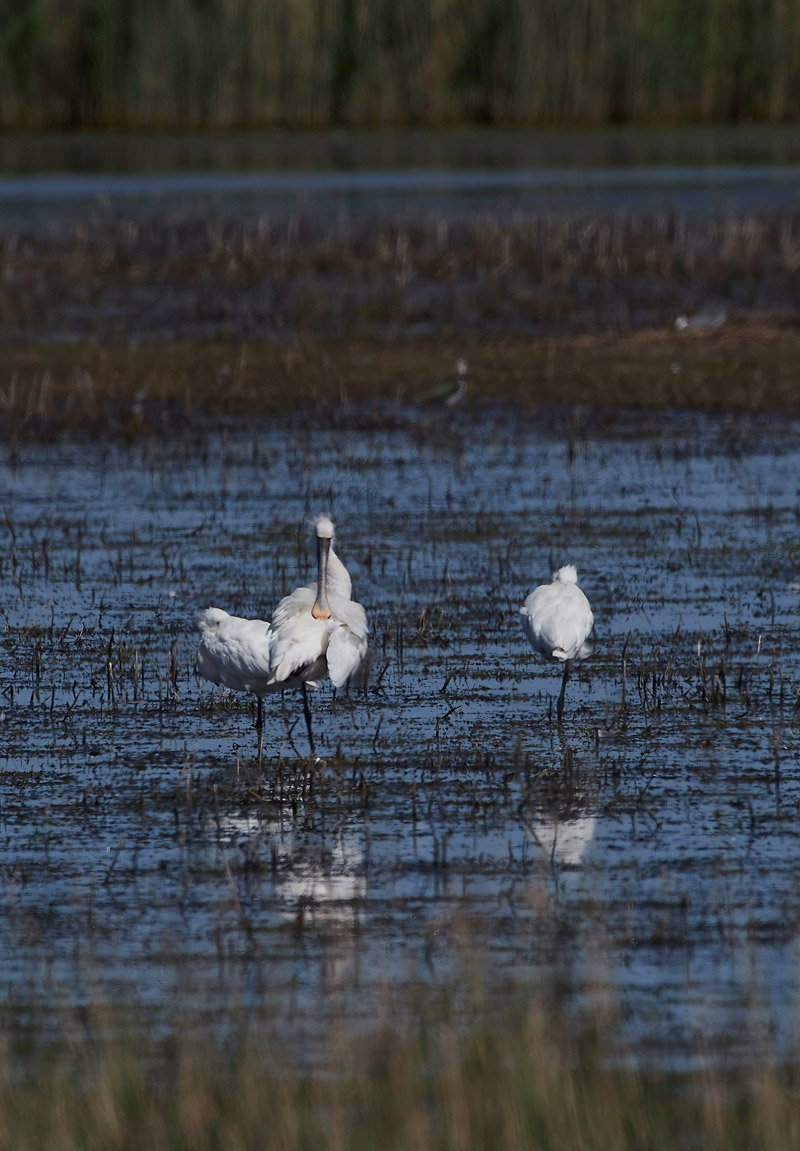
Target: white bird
{"type": "Point", "coordinates": [314, 631]}
{"type": "Point", "coordinates": [235, 652]}
{"type": "Point", "coordinates": [563, 839]}
{"type": "Point", "coordinates": [557, 620]}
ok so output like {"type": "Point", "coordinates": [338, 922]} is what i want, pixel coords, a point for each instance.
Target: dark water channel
{"type": "Point", "coordinates": [331, 177]}
{"type": "Point", "coordinates": [644, 854]}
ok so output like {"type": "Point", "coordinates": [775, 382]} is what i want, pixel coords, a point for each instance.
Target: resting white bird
{"type": "Point", "coordinates": [235, 652]}
{"type": "Point", "coordinates": [314, 631]}
{"type": "Point", "coordinates": [557, 620]}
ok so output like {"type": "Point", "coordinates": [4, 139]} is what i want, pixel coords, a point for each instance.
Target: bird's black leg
{"type": "Point", "coordinates": [260, 715]}
{"type": "Point", "coordinates": [307, 714]}
{"type": "Point", "coordinates": [560, 705]}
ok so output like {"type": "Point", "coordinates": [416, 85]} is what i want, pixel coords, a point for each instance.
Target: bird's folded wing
{"type": "Point", "coordinates": [346, 651]}
{"type": "Point", "coordinates": [233, 651]}
{"type": "Point", "coordinates": [301, 600]}
{"type": "Point", "coordinates": [246, 650]}
{"type": "Point", "coordinates": [565, 640]}
{"type": "Point", "coordinates": [542, 636]}
{"type": "Point", "coordinates": [292, 654]}
{"type": "Point", "coordinates": [351, 614]}
{"type": "Point", "coordinates": [298, 639]}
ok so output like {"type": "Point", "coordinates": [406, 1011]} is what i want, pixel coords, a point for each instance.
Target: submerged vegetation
{"type": "Point", "coordinates": [228, 63]}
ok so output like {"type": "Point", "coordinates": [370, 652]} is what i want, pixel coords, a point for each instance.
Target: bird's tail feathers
{"type": "Point", "coordinates": [583, 652]}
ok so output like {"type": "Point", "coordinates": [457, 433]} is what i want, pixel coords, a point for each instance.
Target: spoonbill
{"type": "Point", "coordinates": [235, 652]}
{"type": "Point", "coordinates": [316, 630]}
{"type": "Point", "coordinates": [557, 620]}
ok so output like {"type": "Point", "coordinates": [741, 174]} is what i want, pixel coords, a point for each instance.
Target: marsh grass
{"type": "Point", "coordinates": [122, 325]}
{"type": "Point", "coordinates": [225, 63]}
{"type": "Point", "coordinates": [520, 1079]}
{"type": "Point", "coordinates": [117, 279]}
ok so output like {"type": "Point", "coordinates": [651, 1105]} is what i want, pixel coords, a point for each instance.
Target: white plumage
{"type": "Point", "coordinates": [316, 630]}
{"type": "Point", "coordinates": [558, 620]}
{"type": "Point", "coordinates": [320, 628]}
{"type": "Point", "coordinates": [234, 652]}
{"type": "Point", "coordinates": [564, 840]}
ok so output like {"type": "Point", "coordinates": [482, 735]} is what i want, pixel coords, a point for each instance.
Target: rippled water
{"type": "Point", "coordinates": [644, 851]}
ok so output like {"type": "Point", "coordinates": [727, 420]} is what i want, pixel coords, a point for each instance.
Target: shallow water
{"type": "Point", "coordinates": [616, 146]}
{"type": "Point", "coordinates": [330, 176]}
{"type": "Point", "coordinates": [644, 852]}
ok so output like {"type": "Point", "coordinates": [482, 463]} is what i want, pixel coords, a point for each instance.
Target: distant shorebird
{"type": "Point", "coordinates": [557, 620]}
{"type": "Point", "coordinates": [315, 631]}
{"type": "Point", "coordinates": [447, 393]}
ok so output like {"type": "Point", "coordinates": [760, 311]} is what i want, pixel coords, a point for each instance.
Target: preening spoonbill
{"type": "Point", "coordinates": [314, 631]}
{"type": "Point", "coordinates": [557, 620]}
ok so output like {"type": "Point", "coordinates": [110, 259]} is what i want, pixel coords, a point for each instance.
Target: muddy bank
{"type": "Point", "coordinates": [157, 387]}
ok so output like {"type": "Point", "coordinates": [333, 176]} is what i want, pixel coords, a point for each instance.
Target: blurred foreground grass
{"type": "Point", "coordinates": [156, 387]}
{"type": "Point", "coordinates": [524, 1080]}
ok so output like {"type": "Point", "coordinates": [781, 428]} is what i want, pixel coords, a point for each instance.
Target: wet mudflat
{"type": "Point", "coordinates": [644, 853]}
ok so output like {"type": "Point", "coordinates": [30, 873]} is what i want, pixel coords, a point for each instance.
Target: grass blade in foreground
{"type": "Point", "coordinates": [522, 1081]}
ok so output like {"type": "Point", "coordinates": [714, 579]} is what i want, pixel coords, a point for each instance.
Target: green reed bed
{"type": "Point", "coordinates": [524, 1081]}
{"type": "Point", "coordinates": [226, 63]}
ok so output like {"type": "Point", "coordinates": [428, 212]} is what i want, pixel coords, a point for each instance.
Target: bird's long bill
{"type": "Point", "coordinates": [321, 608]}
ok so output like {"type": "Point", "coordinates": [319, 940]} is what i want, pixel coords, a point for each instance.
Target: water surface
{"type": "Point", "coordinates": [335, 175]}
{"type": "Point", "coordinates": [644, 852]}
